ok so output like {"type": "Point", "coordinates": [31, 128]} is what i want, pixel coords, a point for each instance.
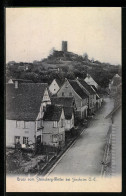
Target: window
{"type": "Point", "coordinates": [54, 89]}
{"type": "Point", "coordinates": [26, 125]}
{"type": "Point", "coordinates": [25, 140]}
{"type": "Point", "coordinates": [17, 139]}
{"type": "Point", "coordinates": [54, 138]}
{"type": "Point", "coordinates": [44, 108]}
{"type": "Point", "coordinates": [62, 94]}
{"type": "Point", "coordinates": [38, 139]}
{"type": "Point", "coordinates": [61, 122]}
{"type": "Point", "coordinates": [18, 124]}
{"type": "Point", "coordinates": [55, 124]}
{"type": "Point", "coordinates": [70, 94]}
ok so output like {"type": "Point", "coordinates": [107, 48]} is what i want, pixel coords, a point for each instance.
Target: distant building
{"type": "Point", "coordinates": [24, 67]}
{"type": "Point", "coordinates": [90, 81]}
{"type": "Point", "coordinates": [54, 126]}
{"type": "Point", "coordinates": [90, 93]}
{"type": "Point", "coordinates": [70, 88]}
{"type": "Point", "coordinates": [64, 46]}
{"type": "Point", "coordinates": [18, 81]}
{"type": "Point", "coordinates": [10, 81]}
{"type": "Point", "coordinates": [54, 86]}
{"type": "Point", "coordinates": [25, 107]}
{"type": "Point", "coordinates": [99, 100]}
{"type": "Point", "coordinates": [69, 107]}
{"type": "Point", "coordinates": [115, 84]}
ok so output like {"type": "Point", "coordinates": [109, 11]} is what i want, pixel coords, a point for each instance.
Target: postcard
{"type": "Point", "coordinates": [63, 99]}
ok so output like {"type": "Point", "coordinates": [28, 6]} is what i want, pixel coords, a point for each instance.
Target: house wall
{"type": "Point", "coordinates": [98, 103]}
{"type": "Point", "coordinates": [91, 98]}
{"type": "Point", "coordinates": [80, 103]}
{"type": "Point", "coordinates": [46, 100]}
{"type": "Point", "coordinates": [67, 89]}
{"type": "Point", "coordinates": [12, 131]}
{"type": "Point", "coordinates": [49, 131]}
{"type": "Point", "coordinates": [69, 123]}
{"type": "Point", "coordinates": [54, 87]}
{"type": "Point", "coordinates": [90, 81]}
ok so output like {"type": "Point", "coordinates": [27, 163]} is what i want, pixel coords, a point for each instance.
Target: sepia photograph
{"type": "Point", "coordinates": [63, 99]}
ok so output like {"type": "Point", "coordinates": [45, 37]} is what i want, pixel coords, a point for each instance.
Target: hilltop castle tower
{"type": "Point", "coordinates": [64, 46]}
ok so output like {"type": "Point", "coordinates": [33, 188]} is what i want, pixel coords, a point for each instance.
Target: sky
{"type": "Point", "coordinates": [32, 32]}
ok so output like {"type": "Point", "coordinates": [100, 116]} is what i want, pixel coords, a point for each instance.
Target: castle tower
{"type": "Point", "coordinates": [64, 46]}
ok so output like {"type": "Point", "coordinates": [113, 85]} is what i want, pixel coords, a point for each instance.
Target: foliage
{"type": "Point", "coordinates": [78, 66]}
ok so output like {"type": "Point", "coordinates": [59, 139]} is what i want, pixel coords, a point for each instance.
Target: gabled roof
{"type": "Point", "coordinates": [67, 103]}
{"type": "Point", "coordinates": [78, 89]}
{"type": "Point", "coordinates": [90, 80]}
{"type": "Point", "coordinates": [58, 82]}
{"type": "Point", "coordinates": [63, 101]}
{"type": "Point", "coordinates": [52, 113]}
{"type": "Point", "coordinates": [116, 80]}
{"type": "Point", "coordinates": [94, 88]}
{"type": "Point", "coordinates": [97, 96]}
{"type": "Point", "coordinates": [86, 86]}
{"type": "Point", "coordinates": [23, 103]}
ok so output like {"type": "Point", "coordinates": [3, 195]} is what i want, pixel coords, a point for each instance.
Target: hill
{"type": "Point", "coordinates": [61, 65]}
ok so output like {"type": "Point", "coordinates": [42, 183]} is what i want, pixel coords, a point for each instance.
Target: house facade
{"type": "Point", "coordinates": [69, 118]}
{"type": "Point", "coordinates": [54, 86]}
{"type": "Point", "coordinates": [90, 93]}
{"type": "Point", "coordinates": [115, 84]}
{"type": "Point", "coordinates": [70, 88]}
{"type": "Point", "coordinates": [90, 81]}
{"type": "Point", "coordinates": [25, 108]}
{"type": "Point", "coordinates": [69, 107]}
{"type": "Point", "coordinates": [54, 126]}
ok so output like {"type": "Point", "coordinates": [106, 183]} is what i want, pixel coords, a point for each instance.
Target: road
{"type": "Point", "coordinates": [84, 157]}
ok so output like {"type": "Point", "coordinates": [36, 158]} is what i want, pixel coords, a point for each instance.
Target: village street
{"type": "Point", "coordinates": [84, 157]}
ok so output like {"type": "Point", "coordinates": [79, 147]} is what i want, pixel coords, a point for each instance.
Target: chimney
{"type": "Point", "coordinates": [88, 75]}
{"type": "Point", "coordinates": [16, 84]}
{"type": "Point", "coordinates": [64, 46]}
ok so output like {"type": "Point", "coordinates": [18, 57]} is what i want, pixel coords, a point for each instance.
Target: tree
{"type": "Point", "coordinates": [51, 52]}
{"type": "Point", "coordinates": [85, 56]}
{"type": "Point", "coordinates": [92, 59]}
